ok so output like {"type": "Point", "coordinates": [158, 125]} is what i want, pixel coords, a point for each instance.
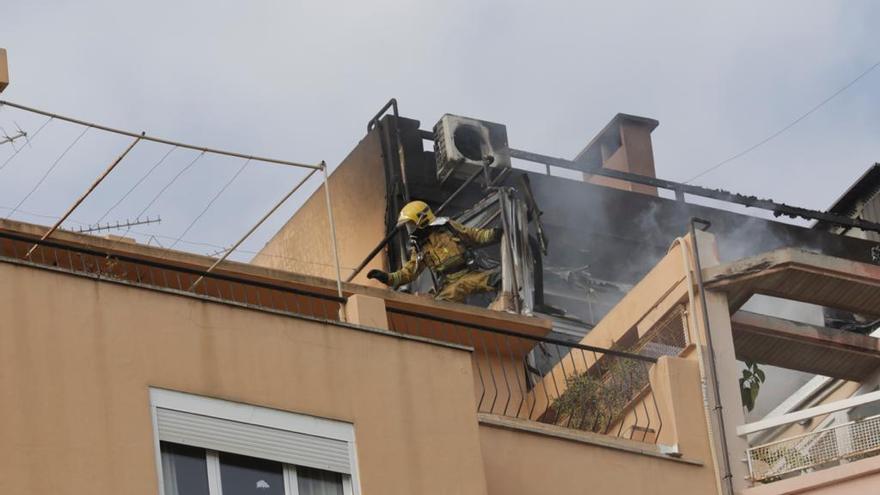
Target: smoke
{"type": "Point", "coordinates": [750, 237]}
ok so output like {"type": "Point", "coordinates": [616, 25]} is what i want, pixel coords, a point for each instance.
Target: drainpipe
{"type": "Point", "coordinates": [718, 409]}
{"type": "Point", "coordinates": [685, 257]}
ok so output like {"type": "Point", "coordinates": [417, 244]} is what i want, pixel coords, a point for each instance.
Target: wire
{"type": "Point", "coordinates": [30, 140]}
{"type": "Point", "coordinates": [136, 184]}
{"type": "Point", "coordinates": [173, 179]}
{"type": "Point", "coordinates": [787, 127]}
{"type": "Point", "coordinates": [49, 171]}
{"type": "Point", "coordinates": [205, 209]}
{"type": "Point", "coordinates": [40, 215]}
{"type": "Point", "coordinates": [145, 137]}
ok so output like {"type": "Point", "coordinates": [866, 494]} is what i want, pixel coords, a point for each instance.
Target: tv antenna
{"type": "Point", "coordinates": [118, 225]}
{"type": "Point", "coordinates": [11, 139]}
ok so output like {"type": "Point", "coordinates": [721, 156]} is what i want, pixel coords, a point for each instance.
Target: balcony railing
{"type": "Point", "coordinates": [816, 449]}
{"type": "Point", "coordinates": [548, 380]}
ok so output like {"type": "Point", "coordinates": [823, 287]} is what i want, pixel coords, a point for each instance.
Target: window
{"type": "Point", "coordinates": [213, 447]}
{"type": "Point", "coordinates": [195, 471]}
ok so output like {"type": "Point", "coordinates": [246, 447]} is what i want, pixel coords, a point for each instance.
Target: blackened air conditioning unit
{"type": "Point", "coordinates": [461, 144]}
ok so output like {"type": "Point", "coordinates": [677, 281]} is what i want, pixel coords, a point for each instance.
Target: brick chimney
{"type": "Point", "coordinates": [4, 70]}
{"type": "Point", "coordinates": [624, 144]}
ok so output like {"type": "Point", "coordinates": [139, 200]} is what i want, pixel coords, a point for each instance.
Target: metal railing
{"type": "Point", "coordinates": [816, 449]}
{"type": "Point", "coordinates": [113, 266]}
{"type": "Point", "coordinates": [585, 388]}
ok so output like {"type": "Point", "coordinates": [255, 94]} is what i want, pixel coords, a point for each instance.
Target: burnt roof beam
{"type": "Point", "coordinates": [778, 209]}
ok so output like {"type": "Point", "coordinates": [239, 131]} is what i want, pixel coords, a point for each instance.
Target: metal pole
{"type": "Point", "coordinates": [458, 191]}
{"type": "Point", "coordinates": [251, 231]}
{"type": "Point", "coordinates": [373, 253]}
{"type": "Point", "coordinates": [155, 139]}
{"type": "Point", "coordinates": [332, 229]}
{"type": "Point", "coordinates": [84, 196]}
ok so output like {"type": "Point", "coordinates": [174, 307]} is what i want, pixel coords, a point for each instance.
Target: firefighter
{"type": "Point", "coordinates": [446, 247]}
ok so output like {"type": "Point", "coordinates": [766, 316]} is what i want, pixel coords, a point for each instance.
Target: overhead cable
{"type": "Point", "coordinates": [787, 127]}
{"type": "Point", "coordinates": [173, 179]}
{"type": "Point", "coordinates": [49, 171]}
{"type": "Point", "coordinates": [136, 184]}
{"type": "Point", "coordinates": [257, 225]}
{"type": "Point", "coordinates": [210, 203]}
{"type": "Point", "coordinates": [145, 137]}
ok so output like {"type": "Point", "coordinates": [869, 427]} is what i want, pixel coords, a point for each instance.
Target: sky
{"type": "Point", "coordinates": [298, 80]}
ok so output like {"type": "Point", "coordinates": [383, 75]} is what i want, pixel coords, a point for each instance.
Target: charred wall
{"type": "Point", "coordinates": [609, 238]}
{"type": "Point", "coordinates": [601, 239]}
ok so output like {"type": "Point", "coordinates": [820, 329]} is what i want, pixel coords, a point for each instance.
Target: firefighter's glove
{"type": "Point", "coordinates": [378, 275]}
{"type": "Point", "coordinates": [497, 233]}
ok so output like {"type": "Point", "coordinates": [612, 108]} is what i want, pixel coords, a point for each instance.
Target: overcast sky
{"type": "Point", "coordinates": [299, 80]}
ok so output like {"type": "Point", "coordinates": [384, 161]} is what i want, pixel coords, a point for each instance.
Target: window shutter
{"type": "Point", "coordinates": [253, 440]}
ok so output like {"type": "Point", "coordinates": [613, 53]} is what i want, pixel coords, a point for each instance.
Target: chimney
{"type": "Point", "coordinates": [4, 70]}
{"type": "Point", "coordinates": [624, 144]}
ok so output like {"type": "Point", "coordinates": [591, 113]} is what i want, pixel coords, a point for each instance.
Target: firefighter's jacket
{"type": "Point", "coordinates": [445, 250]}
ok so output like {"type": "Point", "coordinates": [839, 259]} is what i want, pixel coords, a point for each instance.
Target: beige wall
{"type": "Point", "coordinates": [77, 357]}
{"type": "Point", "coordinates": [357, 189]}
{"type": "Point", "coordinates": [542, 459]}
{"type": "Point", "coordinates": [523, 463]}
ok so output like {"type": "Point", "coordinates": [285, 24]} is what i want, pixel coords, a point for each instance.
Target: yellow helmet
{"type": "Point", "coordinates": [417, 212]}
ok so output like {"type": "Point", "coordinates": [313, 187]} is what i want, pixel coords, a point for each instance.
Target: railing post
{"type": "Point", "coordinates": [722, 371]}
{"type": "Point", "coordinates": [332, 229]}
{"type": "Point", "coordinates": [82, 198]}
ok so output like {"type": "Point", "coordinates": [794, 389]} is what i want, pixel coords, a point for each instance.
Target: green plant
{"type": "Point", "coordinates": [593, 400]}
{"type": "Point", "coordinates": [750, 384]}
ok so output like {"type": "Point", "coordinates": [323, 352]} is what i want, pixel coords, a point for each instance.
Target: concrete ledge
{"type": "Point", "coordinates": [594, 439]}
{"type": "Point", "coordinates": [250, 307]}
{"type": "Point", "coordinates": [467, 314]}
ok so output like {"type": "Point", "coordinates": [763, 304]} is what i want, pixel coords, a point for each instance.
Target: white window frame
{"type": "Point", "coordinates": [255, 415]}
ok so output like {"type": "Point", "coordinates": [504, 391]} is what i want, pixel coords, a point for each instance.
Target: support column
{"type": "Point", "coordinates": [366, 311]}
{"type": "Point", "coordinates": [675, 383]}
{"type": "Point", "coordinates": [725, 367]}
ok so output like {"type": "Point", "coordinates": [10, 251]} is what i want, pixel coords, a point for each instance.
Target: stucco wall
{"type": "Point", "coordinates": [77, 357]}
{"type": "Point", "coordinates": [524, 463]}
{"type": "Point", "coordinates": [524, 458]}
{"type": "Point", "coordinates": [357, 190]}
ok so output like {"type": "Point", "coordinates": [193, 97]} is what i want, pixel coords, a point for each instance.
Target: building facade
{"type": "Point", "coordinates": [126, 367]}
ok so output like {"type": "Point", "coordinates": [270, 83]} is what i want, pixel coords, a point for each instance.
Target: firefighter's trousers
{"type": "Point", "coordinates": [458, 286]}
